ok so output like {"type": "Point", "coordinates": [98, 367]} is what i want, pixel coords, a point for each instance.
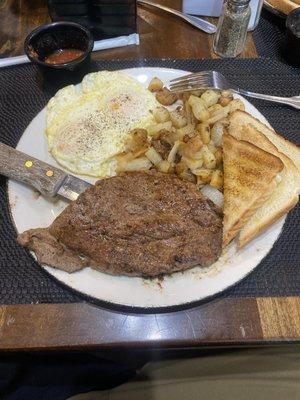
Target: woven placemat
{"type": "Point", "coordinates": [269, 35]}
{"type": "Point", "coordinates": [23, 95]}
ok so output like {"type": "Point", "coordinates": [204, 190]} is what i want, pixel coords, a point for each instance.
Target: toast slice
{"type": "Point", "coordinates": [282, 200]}
{"type": "Point", "coordinates": [249, 179]}
{"type": "Point", "coordinates": [241, 119]}
{"type": "Point", "coordinates": [285, 195]}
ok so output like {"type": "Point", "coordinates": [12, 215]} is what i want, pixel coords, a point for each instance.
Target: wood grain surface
{"type": "Point", "coordinates": [161, 35]}
{"type": "Point", "coordinates": [23, 168]}
{"type": "Point", "coordinates": [229, 322]}
{"type": "Point", "coordinates": [280, 317]}
{"type": "Point", "coordinates": [283, 6]}
{"type": "Point", "coordinates": [81, 325]}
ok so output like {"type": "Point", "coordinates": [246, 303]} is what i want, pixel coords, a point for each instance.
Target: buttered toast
{"type": "Point", "coordinates": [249, 180]}
{"type": "Point", "coordinates": [285, 195]}
{"type": "Point", "coordinates": [239, 120]}
{"type": "Point", "coordinates": [283, 198]}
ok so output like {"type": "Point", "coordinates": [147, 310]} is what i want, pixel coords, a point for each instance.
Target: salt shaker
{"type": "Point", "coordinates": [231, 32]}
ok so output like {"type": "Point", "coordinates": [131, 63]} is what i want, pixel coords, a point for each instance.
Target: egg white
{"type": "Point", "coordinates": [87, 126]}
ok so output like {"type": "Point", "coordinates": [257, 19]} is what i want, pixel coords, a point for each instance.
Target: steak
{"type": "Point", "coordinates": [137, 223]}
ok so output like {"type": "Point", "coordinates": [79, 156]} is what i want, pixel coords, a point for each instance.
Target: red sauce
{"type": "Point", "coordinates": [63, 56]}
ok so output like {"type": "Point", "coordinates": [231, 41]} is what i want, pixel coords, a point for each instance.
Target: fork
{"type": "Point", "coordinates": [216, 80]}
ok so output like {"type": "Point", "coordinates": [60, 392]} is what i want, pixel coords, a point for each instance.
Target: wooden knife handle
{"type": "Point", "coordinates": [23, 168]}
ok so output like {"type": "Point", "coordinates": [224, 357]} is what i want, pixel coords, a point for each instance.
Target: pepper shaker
{"type": "Point", "coordinates": [232, 27]}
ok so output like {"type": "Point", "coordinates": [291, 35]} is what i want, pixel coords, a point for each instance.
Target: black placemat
{"type": "Point", "coordinates": [22, 96]}
{"type": "Point", "coordinates": [269, 35]}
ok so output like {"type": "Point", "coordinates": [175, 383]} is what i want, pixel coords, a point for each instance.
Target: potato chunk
{"type": "Point", "coordinates": [165, 97]}
{"type": "Point", "coordinates": [161, 114]}
{"type": "Point", "coordinates": [155, 85]}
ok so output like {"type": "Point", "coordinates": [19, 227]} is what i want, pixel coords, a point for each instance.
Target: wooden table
{"type": "Point", "coordinates": [229, 322]}
{"type": "Point", "coordinates": [161, 35]}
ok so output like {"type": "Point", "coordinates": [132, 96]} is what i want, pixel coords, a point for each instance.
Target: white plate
{"type": "Point", "coordinates": [30, 210]}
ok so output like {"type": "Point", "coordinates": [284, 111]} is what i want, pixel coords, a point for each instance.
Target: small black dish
{"type": "Point", "coordinates": [292, 38]}
{"type": "Point", "coordinates": [47, 39]}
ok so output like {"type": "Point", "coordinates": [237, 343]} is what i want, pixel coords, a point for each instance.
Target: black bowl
{"type": "Point", "coordinates": [46, 39]}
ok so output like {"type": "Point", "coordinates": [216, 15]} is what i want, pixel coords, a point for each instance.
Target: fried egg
{"type": "Point", "coordinates": [87, 125]}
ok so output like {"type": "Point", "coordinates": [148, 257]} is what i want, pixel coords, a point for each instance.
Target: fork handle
{"type": "Point", "coordinates": [291, 101]}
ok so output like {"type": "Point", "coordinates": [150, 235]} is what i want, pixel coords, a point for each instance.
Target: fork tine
{"type": "Point", "coordinates": [187, 87]}
{"type": "Point", "coordinates": [201, 80]}
{"type": "Point", "coordinates": [194, 75]}
{"type": "Point", "coordinates": [198, 81]}
{"type": "Point", "coordinates": [193, 81]}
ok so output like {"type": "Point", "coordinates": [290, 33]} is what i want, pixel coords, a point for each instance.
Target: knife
{"type": "Point", "coordinates": [197, 22]}
{"type": "Point", "coordinates": [48, 180]}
